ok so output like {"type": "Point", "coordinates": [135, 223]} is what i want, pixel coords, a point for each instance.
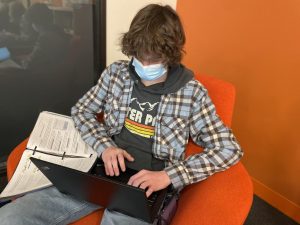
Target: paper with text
{"type": "Point", "coordinates": [53, 139]}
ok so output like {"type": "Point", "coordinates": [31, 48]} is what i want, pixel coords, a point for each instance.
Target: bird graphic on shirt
{"type": "Point", "coordinates": [145, 105]}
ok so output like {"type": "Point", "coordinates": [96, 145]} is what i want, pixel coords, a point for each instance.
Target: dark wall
{"type": "Point", "coordinates": [48, 70]}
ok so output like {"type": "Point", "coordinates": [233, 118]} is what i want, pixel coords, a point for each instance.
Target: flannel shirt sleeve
{"type": "Point", "coordinates": [220, 148]}
{"type": "Point", "coordinates": [84, 115]}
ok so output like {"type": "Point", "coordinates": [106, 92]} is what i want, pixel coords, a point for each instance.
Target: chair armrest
{"type": "Point", "coordinates": [224, 198]}
{"type": "Point", "coordinates": [14, 158]}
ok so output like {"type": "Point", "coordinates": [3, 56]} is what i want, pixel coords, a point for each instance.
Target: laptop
{"type": "Point", "coordinates": [109, 192]}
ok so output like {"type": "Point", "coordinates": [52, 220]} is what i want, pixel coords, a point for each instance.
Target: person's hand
{"type": "Point", "coordinates": [150, 180]}
{"type": "Point", "coordinates": [112, 157]}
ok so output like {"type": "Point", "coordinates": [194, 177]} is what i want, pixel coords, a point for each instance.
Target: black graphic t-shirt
{"type": "Point", "coordinates": [136, 137]}
{"type": "Point", "coordinates": [137, 134]}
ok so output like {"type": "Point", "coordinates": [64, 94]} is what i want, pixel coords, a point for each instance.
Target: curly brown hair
{"type": "Point", "coordinates": [155, 31]}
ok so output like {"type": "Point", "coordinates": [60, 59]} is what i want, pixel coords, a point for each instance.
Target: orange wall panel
{"type": "Point", "coordinates": [256, 46]}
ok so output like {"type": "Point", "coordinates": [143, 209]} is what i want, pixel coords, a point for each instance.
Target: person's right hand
{"type": "Point", "coordinates": [112, 157]}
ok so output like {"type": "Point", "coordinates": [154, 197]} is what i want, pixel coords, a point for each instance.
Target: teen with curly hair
{"type": "Point", "coordinates": [151, 105]}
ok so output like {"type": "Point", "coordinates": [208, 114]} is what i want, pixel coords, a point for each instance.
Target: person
{"type": "Point", "coordinates": [4, 16]}
{"type": "Point", "coordinates": [52, 43]}
{"type": "Point", "coordinates": [21, 42]}
{"type": "Point", "coordinates": [151, 105]}
{"type": "Point", "coordinates": [16, 11]}
{"type": "Point", "coordinates": [41, 46]}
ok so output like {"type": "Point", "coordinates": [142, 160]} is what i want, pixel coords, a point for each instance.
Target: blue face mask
{"type": "Point", "coordinates": [151, 72]}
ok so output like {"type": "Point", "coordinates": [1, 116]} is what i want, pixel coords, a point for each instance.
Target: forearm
{"type": "Point", "coordinates": [200, 166]}
{"type": "Point", "coordinates": [221, 149]}
{"type": "Point", "coordinates": [85, 112]}
{"type": "Point", "coordinates": [91, 131]}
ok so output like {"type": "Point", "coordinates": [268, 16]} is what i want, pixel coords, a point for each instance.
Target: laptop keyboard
{"type": "Point", "coordinates": [152, 198]}
{"type": "Point", "coordinates": [123, 178]}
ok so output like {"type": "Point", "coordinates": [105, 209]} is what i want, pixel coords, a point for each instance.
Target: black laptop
{"type": "Point", "coordinates": [109, 192]}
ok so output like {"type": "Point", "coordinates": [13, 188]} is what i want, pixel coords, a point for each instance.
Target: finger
{"type": "Point", "coordinates": [149, 192]}
{"type": "Point", "coordinates": [115, 166]}
{"type": "Point", "coordinates": [128, 156]}
{"type": "Point", "coordinates": [144, 185]}
{"type": "Point", "coordinates": [109, 168]}
{"type": "Point", "coordinates": [137, 182]}
{"type": "Point", "coordinates": [106, 170]}
{"type": "Point", "coordinates": [136, 176]}
{"type": "Point", "coordinates": [121, 162]}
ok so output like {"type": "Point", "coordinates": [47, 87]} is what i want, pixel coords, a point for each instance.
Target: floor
{"type": "Point", "coordinates": [262, 213]}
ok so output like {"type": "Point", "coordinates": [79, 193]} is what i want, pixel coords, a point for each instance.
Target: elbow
{"type": "Point", "coordinates": [231, 155]}
{"type": "Point", "coordinates": [235, 156]}
{"type": "Point", "coordinates": [73, 111]}
{"type": "Point", "coordinates": [238, 152]}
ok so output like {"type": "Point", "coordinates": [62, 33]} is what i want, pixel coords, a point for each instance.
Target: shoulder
{"type": "Point", "coordinates": [120, 65]}
{"type": "Point", "coordinates": [195, 88]}
{"type": "Point", "coordinates": [192, 85]}
{"type": "Point", "coordinates": [115, 72]}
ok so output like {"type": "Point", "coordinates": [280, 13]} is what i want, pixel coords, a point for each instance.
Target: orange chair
{"type": "Point", "coordinates": [223, 199]}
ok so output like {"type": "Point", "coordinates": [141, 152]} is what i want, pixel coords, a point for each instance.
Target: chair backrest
{"type": "Point", "coordinates": [222, 94]}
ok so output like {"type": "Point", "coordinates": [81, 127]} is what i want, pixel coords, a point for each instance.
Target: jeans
{"type": "Point", "coordinates": [50, 207]}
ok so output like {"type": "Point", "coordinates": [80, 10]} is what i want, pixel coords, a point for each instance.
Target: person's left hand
{"type": "Point", "coordinates": [153, 180]}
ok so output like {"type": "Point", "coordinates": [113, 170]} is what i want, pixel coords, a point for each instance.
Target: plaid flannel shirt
{"type": "Point", "coordinates": [187, 112]}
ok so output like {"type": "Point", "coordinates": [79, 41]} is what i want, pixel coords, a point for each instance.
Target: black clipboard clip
{"type": "Point", "coordinates": [63, 156]}
{"type": "Point", "coordinates": [34, 150]}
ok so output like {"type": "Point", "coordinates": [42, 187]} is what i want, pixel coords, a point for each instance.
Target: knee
{"type": "Point", "coordinates": [9, 219]}
{"type": "Point", "coordinates": [10, 215]}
